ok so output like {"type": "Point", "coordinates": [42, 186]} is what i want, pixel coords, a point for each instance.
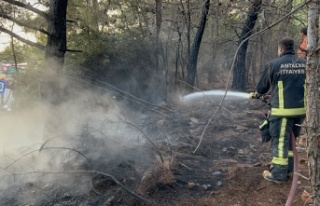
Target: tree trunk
{"type": "Point", "coordinates": [55, 51]}
{"type": "Point", "coordinates": [57, 29]}
{"type": "Point", "coordinates": [54, 85]}
{"type": "Point", "coordinates": [312, 97]}
{"type": "Point", "coordinates": [193, 59]}
{"type": "Point", "coordinates": [158, 29]}
{"type": "Point", "coordinates": [188, 29]}
{"type": "Point", "coordinates": [239, 70]}
{"type": "Point", "coordinates": [215, 37]}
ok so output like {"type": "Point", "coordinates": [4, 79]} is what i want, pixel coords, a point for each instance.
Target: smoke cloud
{"type": "Point", "coordinates": [89, 131]}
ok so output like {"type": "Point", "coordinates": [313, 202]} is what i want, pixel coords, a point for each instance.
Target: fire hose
{"type": "Point", "coordinates": [294, 183]}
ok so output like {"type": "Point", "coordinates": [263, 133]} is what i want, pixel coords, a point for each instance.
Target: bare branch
{"type": "Point", "coordinates": [74, 50]}
{"type": "Point", "coordinates": [28, 7]}
{"type": "Point", "coordinates": [71, 21]}
{"type": "Point", "coordinates": [23, 24]}
{"type": "Point", "coordinates": [26, 41]}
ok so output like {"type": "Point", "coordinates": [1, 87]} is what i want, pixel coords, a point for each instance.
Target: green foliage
{"type": "Point", "coordinates": [127, 49]}
{"type": "Point", "coordinates": [117, 34]}
{"type": "Point", "coordinates": [109, 35]}
{"type": "Point", "coordinates": [24, 53]}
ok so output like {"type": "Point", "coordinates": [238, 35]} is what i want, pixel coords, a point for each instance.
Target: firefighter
{"type": "Point", "coordinates": [284, 78]}
{"type": "Point", "coordinates": [304, 42]}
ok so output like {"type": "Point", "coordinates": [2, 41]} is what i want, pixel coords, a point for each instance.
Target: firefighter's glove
{"type": "Point", "coordinates": [264, 131]}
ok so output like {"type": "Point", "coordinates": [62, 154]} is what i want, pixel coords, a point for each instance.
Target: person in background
{"type": "Point", "coordinates": [284, 78]}
{"type": "Point", "coordinates": [303, 44]}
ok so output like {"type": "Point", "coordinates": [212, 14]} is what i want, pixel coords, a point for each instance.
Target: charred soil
{"type": "Point", "coordinates": [225, 170]}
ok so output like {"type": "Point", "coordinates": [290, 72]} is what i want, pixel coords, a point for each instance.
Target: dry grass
{"type": "Point", "coordinates": [160, 173]}
{"type": "Point", "coordinates": [233, 172]}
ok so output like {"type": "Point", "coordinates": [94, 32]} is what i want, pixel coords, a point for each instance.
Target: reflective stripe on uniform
{"type": "Point", "coordinates": [264, 123]}
{"type": "Point", "coordinates": [280, 161]}
{"type": "Point", "coordinates": [280, 94]}
{"type": "Point", "coordinates": [290, 153]}
{"type": "Point", "coordinates": [282, 137]}
{"type": "Point", "coordinates": [288, 112]}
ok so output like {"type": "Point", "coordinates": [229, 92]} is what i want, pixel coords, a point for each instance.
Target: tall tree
{"type": "Point", "coordinates": [55, 32]}
{"type": "Point", "coordinates": [158, 29]}
{"type": "Point", "coordinates": [239, 70]}
{"type": "Point", "coordinates": [193, 59]}
{"type": "Point", "coordinates": [56, 35]}
{"type": "Point", "coordinates": [55, 50]}
{"type": "Point", "coordinates": [53, 87]}
{"type": "Point", "coordinates": [312, 98]}
{"type": "Point", "coordinates": [188, 23]}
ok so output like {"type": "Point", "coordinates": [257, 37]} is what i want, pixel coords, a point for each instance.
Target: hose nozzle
{"type": "Point", "coordinates": [254, 95]}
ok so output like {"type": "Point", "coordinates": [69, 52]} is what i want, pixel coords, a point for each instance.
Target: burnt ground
{"type": "Point", "coordinates": [225, 170]}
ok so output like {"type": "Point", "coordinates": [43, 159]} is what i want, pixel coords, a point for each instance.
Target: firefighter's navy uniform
{"type": "Point", "coordinates": [284, 78]}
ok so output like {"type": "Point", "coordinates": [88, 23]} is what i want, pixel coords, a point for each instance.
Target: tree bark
{"type": "Point", "coordinates": [54, 85]}
{"type": "Point", "coordinates": [57, 28]}
{"type": "Point", "coordinates": [215, 37]}
{"type": "Point", "coordinates": [193, 59]}
{"type": "Point", "coordinates": [312, 98]}
{"type": "Point", "coordinates": [55, 50]}
{"type": "Point", "coordinates": [158, 29]}
{"type": "Point", "coordinates": [239, 70]}
{"type": "Point", "coordinates": [188, 22]}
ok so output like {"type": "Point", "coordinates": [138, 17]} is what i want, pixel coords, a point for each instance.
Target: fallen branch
{"type": "Point", "coordinates": [185, 166]}
{"type": "Point", "coordinates": [233, 64]}
{"type": "Point", "coordinates": [132, 193]}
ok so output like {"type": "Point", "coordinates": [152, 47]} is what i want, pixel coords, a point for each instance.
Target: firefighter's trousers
{"type": "Point", "coordinates": [282, 154]}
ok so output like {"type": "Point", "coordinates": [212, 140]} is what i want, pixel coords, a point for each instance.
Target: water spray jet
{"type": "Point", "coordinates": [212, 94]}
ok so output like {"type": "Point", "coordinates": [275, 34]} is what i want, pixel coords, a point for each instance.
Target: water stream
{"type": "Point", "coordinates": [213, 94]}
